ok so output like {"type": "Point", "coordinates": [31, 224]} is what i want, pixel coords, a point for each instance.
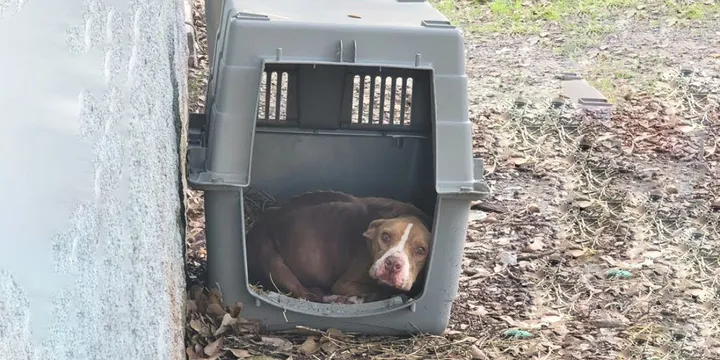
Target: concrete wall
{"type": "Point", "coordinates": [91, 255]}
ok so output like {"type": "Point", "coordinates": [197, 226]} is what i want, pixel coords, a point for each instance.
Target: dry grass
{"type": "Point", "coordinates": [609, 246]}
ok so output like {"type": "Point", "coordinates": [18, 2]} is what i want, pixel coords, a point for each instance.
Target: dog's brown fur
{"type": "Point", "coordinates": [325, 242]}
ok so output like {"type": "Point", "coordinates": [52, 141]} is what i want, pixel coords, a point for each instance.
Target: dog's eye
{"type": "Point", "coordinates": [420, 250]}
{"type": "Point", "coordinates": [386, 237]}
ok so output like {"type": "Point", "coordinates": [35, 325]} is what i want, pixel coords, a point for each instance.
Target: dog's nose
{"type": "Point", "coordinates": [392, 264]}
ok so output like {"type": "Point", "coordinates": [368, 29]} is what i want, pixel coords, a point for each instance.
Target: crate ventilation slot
{"type": "Point", "coordinates": [379, 100]}
{"type": "Point", "coordinates": [272, 102]}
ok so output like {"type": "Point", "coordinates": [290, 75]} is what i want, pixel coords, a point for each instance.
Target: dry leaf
{"type": "Point", "coordinates": [533, 209]}
{"type": "Point", "coordinates": [190, 351]}
{"type": "Point", "coordinates": [215, 297]}
{"type": "Point", "coordinates": [236, 309]}
{"type": "Point", "coordinates": [215, 310]}
{"type": "Point", "coordinates": [213, 348]}
{"type": "Point", "coordinates": [700, 293]}
{"type": "Point", "coordinates": [310, 346]}
{"type": "Point", "coordinates": [576, 253]}
{"type": "Point", "coordinates": [686, 128]}
{"type": "Point", "coordinates": [240, 353]}
{"type": "Point", "coordinates": [536, 245]}
{"type": "Point", "coordinates": [480, 311]}
{"type": "Point", "coordinates": [191, 307]}
{"type": "Point", "coordinates": [196, 325]}
{"type": "Point", "coordinates": [477, 354]}
{"type": "Point", "coordinates": [518, 160]}
{"type": "Point", "coordinates": [489, 169]}
{"type": "Point", "coordinates": [278, 343]}
{"type": "Point", "coordinates": [508, 258]}
{"type": "Point", "coordinates": [334, 332]}
{"type": "Point", "coordinates": [550, 319]}
{"type": "Point", "coordinates": [329, 347]}
{"type": "Point", "coordinates": [583, 204]}
{"type": "Point", "coordinates": [710, 150]}
{"type": "Point", "coordinates": [227, 322]}
{"type": "Point", "coordinates": [195, 292]}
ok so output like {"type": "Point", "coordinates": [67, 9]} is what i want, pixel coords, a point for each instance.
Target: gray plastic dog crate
{"type": "Point", "coordinates": [367, 97]}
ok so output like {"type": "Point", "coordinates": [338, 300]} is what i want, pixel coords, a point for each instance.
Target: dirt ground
{"type": "Point", "coordinates": [608, 244]}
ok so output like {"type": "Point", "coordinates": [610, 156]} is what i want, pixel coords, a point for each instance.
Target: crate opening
{"type": "Point", "coordinates": [364, 131]}
{"type": "Point", "coordinates": [255, 201]}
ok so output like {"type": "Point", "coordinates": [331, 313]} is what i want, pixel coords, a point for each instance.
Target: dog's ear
{"type": "Point", "coordinates": [372, 228]}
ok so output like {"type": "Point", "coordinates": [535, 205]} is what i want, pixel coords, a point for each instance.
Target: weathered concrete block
{"type": "Point", "coordinates": [92, 95]}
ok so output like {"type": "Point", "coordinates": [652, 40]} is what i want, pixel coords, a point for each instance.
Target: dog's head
{"type": "Point", "coordinates": [400, 250]}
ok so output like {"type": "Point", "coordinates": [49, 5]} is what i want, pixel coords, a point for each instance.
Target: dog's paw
{"type": "Point", "coordinates": [355, 300]}
{"type": "Point", "coordinates": [317, 292]}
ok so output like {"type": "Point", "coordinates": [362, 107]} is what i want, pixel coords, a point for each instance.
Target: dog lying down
{"type": "Point", "coordinates": [332, 247]}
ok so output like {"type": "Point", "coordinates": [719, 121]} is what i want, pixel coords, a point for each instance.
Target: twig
{"type": "Point", "coordinates": [536, 255]}
{"type": "Point", "coordinates": [279, 292]}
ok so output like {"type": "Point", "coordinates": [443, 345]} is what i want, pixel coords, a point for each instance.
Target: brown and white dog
{"type": "Point", "coordinates": [328, 246]}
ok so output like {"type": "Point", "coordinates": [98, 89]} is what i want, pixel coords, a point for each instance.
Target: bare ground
{"type": "Point", "coordinates": [608, 248]}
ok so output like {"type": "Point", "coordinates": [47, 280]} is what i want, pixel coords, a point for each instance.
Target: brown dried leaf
{"type": "Point", "coordinates": [518, 160]}
{"type": "Point", "coordinates": [576, 253]}
{"type": "Point", "coordinates": [215, 310]}
{"type": "Point", "coordinates": [536, 245]}
{"type": "Point", "coordinates": [686, 128]}
{"type": "Point", "coordinates": [334, 332]}
{"type": "Point", "coordinates": [227, 322]}
{"type": "Point", "coordinates": [480, 311]}
{"type": "Point", "coordinates": [190, 351]}
{"type": "Point", "coordinates": [477, 354]}
{"type": "Point", "coordinates": [191, 307]}
{"type": "Point", "coordinates": [213, 348]}
{"type": "Point", "coordinates": [236, 309]}
{"type": "Point", "coordinates": [196, 325]}
{"type": "Point", "coordinates": [329, 347]}
{"type": "Point", "coordinates": [583, 204]}
{"type": "Point", "coordinates": [215, 296]}
{"type": "Point", "coordinates": [310, 346]}
{"type": "Point", "coordinates": [278, 343]}
{"type": "Point", "coordinates": [240, 353]}
{"type": "Point", "coordinates": [195, 292]}
{"type": "Point", "coordinates": [699, 293]}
